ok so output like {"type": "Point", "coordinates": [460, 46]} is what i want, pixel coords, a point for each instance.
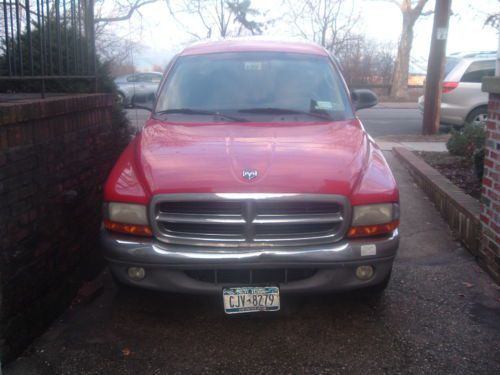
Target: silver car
{"type": "Point", "coordinates": [140, 87]}
{"type": "Point", "coordinates": [462, 100]}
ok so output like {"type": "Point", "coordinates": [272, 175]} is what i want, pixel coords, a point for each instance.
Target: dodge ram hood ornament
{"type": "Point", "coordinates": [250, 174]}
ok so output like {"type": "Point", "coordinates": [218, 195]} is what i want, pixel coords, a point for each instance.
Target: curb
{"type": "Point", "coordinates": [396, 105]}
{"type": "Point", "coordinates": [459, 210]}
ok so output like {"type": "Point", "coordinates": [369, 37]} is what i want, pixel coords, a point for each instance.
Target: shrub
{"type": "Point", "coordinates": [467, 141]}
{"type": "Point", "coordinates": [479, 162]}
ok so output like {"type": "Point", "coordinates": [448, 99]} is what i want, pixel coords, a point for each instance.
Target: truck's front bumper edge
{"type": "Point", "coordinates": [165, 264]}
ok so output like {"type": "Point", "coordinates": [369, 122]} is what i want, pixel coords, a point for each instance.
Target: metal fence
{"type": "Point", "coordinates": [47, 40]}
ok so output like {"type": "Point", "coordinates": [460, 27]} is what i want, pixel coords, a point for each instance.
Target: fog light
{"type": "Point", "coordinates": [364, 272]}
{"type": "Point", "coordinates": [136, 273]}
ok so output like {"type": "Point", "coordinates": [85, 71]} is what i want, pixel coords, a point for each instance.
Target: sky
{"type": "Point", "coordinates": [380, 21]}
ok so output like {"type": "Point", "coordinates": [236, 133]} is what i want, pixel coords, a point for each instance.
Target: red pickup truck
{"type": "Point", "coordinates": [253, 177]}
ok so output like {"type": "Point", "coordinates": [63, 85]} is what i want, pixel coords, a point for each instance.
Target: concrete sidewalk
{"type": "Point", "coordinates": [439, 315]}
{"type": "Point", "coordinates": [414, 142]}
{"type": "Point", "coordinates": [396, 105]}
{"type": "Point", "coordinates": [414, 146]}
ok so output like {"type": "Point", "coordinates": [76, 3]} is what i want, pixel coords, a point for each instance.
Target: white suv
{"type": "Point", "coordinates": [462, 100]}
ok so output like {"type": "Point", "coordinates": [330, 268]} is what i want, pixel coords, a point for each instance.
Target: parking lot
{"type": "Point", "coordinates": [439, 314]}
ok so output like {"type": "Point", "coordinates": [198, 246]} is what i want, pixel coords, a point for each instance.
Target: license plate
{"type": "Point", "coordinates": [251, 299]}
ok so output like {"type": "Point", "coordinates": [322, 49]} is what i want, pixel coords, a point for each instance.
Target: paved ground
{"type": "Point", "coordinates": [439, 315]}
{"type": "Point", "coordinates": [383, 120]}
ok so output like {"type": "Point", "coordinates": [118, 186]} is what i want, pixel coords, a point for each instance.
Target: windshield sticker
{"type": "Point", "coordinates": [253, 65]}
{"type": "Point", "coordinates": [326, 106]}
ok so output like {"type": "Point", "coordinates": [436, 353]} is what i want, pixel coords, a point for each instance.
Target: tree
{"type": "Point", "coordinates": [222, 18]}
{"type": "Point", "coordinates": [121, 10]}
{"type": "Point", "coordinates": [329, 23]}
{"type": "Point", "coordinates": [411, 11]}
{"type": "Point", "coordinates": [118, 51]}
{"type": "Point", "coordinates": [366, 62]}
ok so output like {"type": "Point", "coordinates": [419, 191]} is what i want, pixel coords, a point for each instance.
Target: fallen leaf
{"type": "Point", "coordinates": [126, 352]}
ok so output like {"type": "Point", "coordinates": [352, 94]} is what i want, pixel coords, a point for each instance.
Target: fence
{"type": "Point", "coordinates": [47, 40]}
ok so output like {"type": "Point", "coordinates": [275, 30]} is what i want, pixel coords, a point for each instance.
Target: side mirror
{"type": "Point", "coordinates": [363, 98]}
{"type": "Point", "coordinates": [146, 105]}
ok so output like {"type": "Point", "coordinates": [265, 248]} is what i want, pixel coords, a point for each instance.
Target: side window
{"type": "Point", "coordinates": [477, 70]}
{"type": "Point", "coordinates": [150, 77]}
{"type": "Point", "coordinates": [156, 78]}
{"type": "Point", "coordinates": [132, 78]}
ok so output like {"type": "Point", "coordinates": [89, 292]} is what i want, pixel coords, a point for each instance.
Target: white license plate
{"type": "Point", "coordinates": [251, 299]}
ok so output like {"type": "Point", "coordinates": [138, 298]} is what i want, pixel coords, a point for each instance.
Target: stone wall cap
{"type": "Point", "coordinates": [31, 109]}
{"type": "Point", "coordinates": [491, 85]}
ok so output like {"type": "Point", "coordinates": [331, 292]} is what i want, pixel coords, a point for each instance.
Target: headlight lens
{"type": "Point", "coordinates": [374, 214]}
{"type": "Point", "coordinates": [128, 213]}
{"type": "Point", "coordinates": [374, 219]}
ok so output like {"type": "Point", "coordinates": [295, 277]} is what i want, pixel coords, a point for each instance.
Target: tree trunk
{"type": "Point", "coordinates": [399, 88]}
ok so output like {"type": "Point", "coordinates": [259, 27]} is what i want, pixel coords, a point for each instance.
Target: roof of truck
{"type": "Point", "coordinates": [254, 44]}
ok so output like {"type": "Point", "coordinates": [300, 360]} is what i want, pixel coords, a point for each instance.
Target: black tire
{"type": "Point", "coordinates": [478, 117]}
{"type": "Point", "coordinates": [380, 287]}
{"type": "Point", "coordinates": [121, 99]}
{"type": "Point", "coordinates": [123, 287]}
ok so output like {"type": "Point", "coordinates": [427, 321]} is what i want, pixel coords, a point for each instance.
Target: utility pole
{"type": "Point", "coordinates": [435, 67]}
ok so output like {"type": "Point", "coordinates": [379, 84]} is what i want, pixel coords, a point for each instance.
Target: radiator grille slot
{"type": "Point", "coordinates": [249, 220]}
{"type": "Point", "coordinates": [251, 276]}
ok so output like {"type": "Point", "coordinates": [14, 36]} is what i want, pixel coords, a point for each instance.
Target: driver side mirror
{"type": "Point", "coordinates": [363, 98]}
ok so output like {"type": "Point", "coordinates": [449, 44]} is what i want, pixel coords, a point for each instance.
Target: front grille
{"type": "Point", "coordinates": [249, 220]}
{"type": "Point", "coordinates": [251, 276]}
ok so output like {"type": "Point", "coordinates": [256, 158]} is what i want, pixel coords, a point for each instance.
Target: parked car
{"type": "Point", "coordinates": [253, 177]}
{"type": "Point", "coordinates": [139, 87]}
{"type": "Point", "coordinates": [462, 100]}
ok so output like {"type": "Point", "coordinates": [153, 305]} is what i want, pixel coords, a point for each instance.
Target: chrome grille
{"type": "Point", "coordinates": [249, 220]}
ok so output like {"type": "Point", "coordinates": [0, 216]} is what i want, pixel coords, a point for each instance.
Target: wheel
{"type": "Point", "coordinates": [478, 117]}
{"type": "Point", "coordinates": [380, 287]}
{"type": "Point", "coordinates": [121, 99]}
{"type": "Point", "coordinates": [123, 287]}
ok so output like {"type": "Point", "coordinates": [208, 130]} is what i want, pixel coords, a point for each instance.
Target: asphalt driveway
{"type": "Point", "coordinates": [439, 315]}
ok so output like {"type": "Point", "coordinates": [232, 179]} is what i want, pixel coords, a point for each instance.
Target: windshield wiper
{"type": "Point", "coordinates": [188, 111]}
{"type": "Point", "coordinates": [285, 111]}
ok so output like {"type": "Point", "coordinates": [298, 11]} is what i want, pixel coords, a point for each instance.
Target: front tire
{"type": "Point", "coordinates": [379, 288]}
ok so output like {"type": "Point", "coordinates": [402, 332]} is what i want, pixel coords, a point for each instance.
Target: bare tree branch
{"type": "Point", "coordinates": [133, 7]}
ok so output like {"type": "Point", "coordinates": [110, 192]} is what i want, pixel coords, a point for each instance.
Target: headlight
{"type": "Point", "coordinates": [127, 218]}
{"type": "Point", "coordinates": [128, 213]}
{"type": "Point", "coordinates": [374, 219]}
{"type": "Point", "coordinates": [375, 214]}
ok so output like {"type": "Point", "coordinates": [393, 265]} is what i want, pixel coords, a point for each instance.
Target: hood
{"type": "Point", "coordinates": [252, 157]}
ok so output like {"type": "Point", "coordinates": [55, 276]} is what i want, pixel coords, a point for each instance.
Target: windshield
{"type": "Point", "coordinates": [257, 86]}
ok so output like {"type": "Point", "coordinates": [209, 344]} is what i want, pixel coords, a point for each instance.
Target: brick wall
{"type": "Point", "coordinates": [54, 157]}
{"type": "Point", "coordinates": [490, 201]}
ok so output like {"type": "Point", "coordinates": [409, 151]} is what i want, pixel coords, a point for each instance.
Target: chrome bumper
{"type": "Point", "coordinates": [165, 263]}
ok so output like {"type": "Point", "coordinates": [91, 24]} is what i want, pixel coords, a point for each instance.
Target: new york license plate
{"type": "Point", "coordinates": [251, 299]}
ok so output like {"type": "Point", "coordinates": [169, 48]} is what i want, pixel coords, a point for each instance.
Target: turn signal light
{"type": "Point", "coordinates": [372, 230]}
{"type": "Point", "coordinates": [138, 230]}
{"type": "Point", "coordinates": [449, 86]}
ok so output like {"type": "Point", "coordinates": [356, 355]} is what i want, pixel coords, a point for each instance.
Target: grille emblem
{"type": "Point", "coordinates": [250, 174]}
